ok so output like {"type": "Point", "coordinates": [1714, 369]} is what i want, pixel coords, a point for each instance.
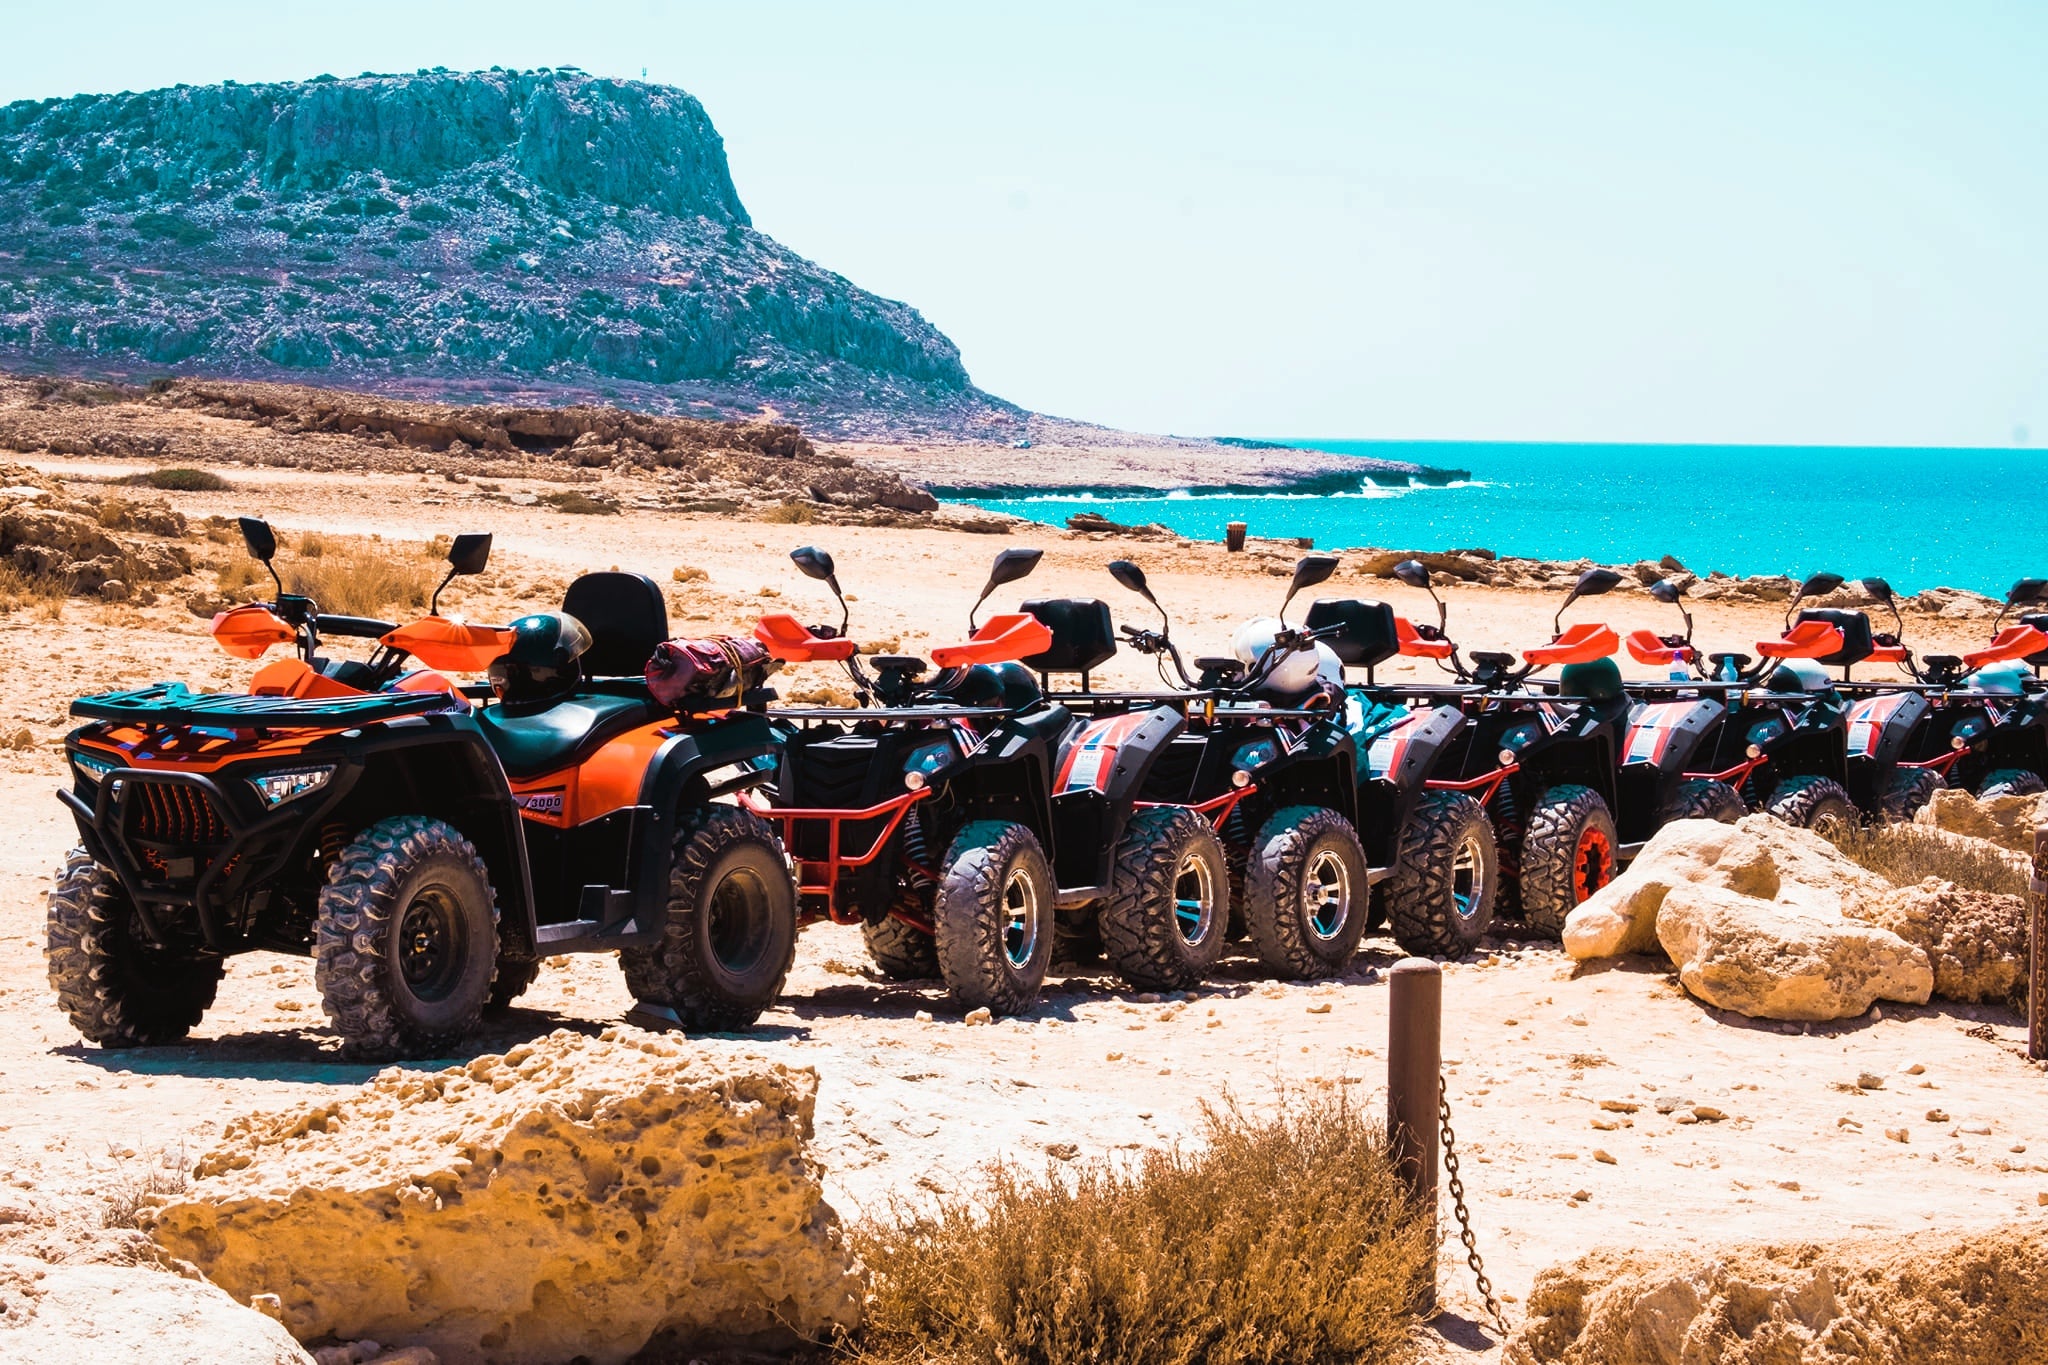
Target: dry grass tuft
{"type": "Point", "coordinates": [21, 590]}
{"type": "Point", "coordinates": [790, 514]}
{"type": "Point", "coordinates": [346, 574]}
{"type": "Point", "coordinates": [581, 503]}
{"type": "Point", "coordinates": [1274, 1242]}
{"type": "Point", "coordinates": [164, 1173]}
{"type": "Point", "coordinates": [1905, 854]}
{"type": "Point", "coordinates": [177, 480]}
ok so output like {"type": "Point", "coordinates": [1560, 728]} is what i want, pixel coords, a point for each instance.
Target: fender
{"type": "Point", "coordinates": [1664, 735]}
{"type": "Point", "coordinates": [1406, 755]}
{"type": "Point", "coordinates": [1102, 766]}
{"type": "Point", "coordinates": [1326, 749]}
{"type": "Point", "coordinates": [1880, 725]}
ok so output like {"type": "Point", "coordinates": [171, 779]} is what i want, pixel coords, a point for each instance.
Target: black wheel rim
{"type": "Point", "coordinates": [431, 944]}
{"type": "Point", "coordinates": [738, 921]}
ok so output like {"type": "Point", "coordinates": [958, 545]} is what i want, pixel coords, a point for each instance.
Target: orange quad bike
{"type": "Point", "coordinates": [425, 841]}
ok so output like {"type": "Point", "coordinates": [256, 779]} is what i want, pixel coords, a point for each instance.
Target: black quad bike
{"type": "Point", "coordinates": [1265, 761]}
{"type": "Point", "coordinates": [1774, 730]}
{"type": "Point", "coordinates": [426, 851]}
{"type": "Point", "coordinates": [1539, 757]}
{"type": "Point", "coordinates": [967, 821]}
{"type": "Point", "coordinates": [1982, 725]}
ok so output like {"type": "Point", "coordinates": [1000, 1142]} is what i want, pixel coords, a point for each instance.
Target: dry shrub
{"type": "Point", "coordinates": [177, 480]}
{"type": "Point", "coordinates": [359, 578]}
{"type": "Point", "coordinates": [1274, 1242]}
{"type": "Point", "coordinates": [21, 590]}
{"type": "Point", "coordinates": [790, 514]}
{"type": "Point", "coordinates": [238, 575]}
{"type": "Point", "coordinates": [583, 504]}
{"type": "Point", "coordinates": [312, 545]}
{"type": "Point", "coordinates": [165, 1172]}
{"type": "Point", "coordinates": [1904, 854]}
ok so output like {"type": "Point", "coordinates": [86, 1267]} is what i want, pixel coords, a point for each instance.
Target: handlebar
{"type": "Point", "coordinates": [353, 627]}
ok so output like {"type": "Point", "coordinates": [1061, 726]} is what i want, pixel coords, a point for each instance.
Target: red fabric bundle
{"type": "Point", "coordinates": [691, 674]}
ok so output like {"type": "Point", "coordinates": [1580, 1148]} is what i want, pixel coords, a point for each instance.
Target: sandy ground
{"type": "Point", "coordinates": [1537, 1047]}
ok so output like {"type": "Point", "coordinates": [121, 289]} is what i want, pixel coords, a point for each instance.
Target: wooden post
{"type": "Point", "coordinates": [1233, 537]}
{"type": "Point", "coordinates": [2037, 952]}
{"type": "Point", "coordinates": [1414, 1075]}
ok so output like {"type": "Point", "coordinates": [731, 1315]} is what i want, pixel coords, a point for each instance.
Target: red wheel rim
{"type": "Point", "coordinates": [1592, 864]}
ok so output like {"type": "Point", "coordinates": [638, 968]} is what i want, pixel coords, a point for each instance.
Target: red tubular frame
{"type": "Point", "coordinates": [1734, 776]}
{"type": "Point", "coordinates": [836, 861]}
{"type": "Point", "coordinates": [1217, 808]}
{"type": "Point", "coordinates": [1940, 763]}
{"type": "Point", "coordinates": [1490, 781]}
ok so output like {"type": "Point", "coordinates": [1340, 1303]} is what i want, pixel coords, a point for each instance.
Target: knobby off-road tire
{"type": "Point", "coordinates": [406, 942]}
{"type": "Point", "coordinates": [901, 952]}
{"type": "Point", "coordinates": [1307, 892]}
{"type": "Point", "coordinates": [1440, 898]}
{"type": "Point", "coordinates": [1906, 791]}
{"type": "Point", "coordinates": [1168, 909]}
{"type": "Point", "coordinates": [1812, 802]}
{"type": "Point", "coordinates": [1702, 798]}
{"type": "Point", "coordinates": [515, 975]}
{"type": "Point", "coordinates": [1567, 854]}
{"type": "Point", "coordinates": [994, 917]}
{"type": "Point", "coordinates": [729, 934]}
{"type": "Point", "coordinates": [2011, 782]}
{"type": "Point", "coordinates": [118, 990]}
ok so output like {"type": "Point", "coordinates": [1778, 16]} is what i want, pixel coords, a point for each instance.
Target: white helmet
{"type": "Point", "coordinates": [1299, 671]}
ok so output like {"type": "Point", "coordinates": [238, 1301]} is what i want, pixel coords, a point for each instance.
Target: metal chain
{"type": "Point", "coordinates": [1457, 1188]}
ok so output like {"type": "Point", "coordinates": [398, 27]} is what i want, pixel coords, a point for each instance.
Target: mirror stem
{"type": "Point", "coordinates": [434, 607]}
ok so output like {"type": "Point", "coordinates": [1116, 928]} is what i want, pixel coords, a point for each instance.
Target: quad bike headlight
{"type": "Point", "coordinates": [90, 768]}
{"type": "Point", "coordinates": [280, 787]}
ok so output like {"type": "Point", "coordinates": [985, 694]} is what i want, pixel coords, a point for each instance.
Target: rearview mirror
{"type": "Point", "coordinates": [470, 553]}
{"type": "Point", "coordinates": [1010, 565]}
{"type": "Point", "coordinates": [812, 562]}
{"type": "Point", "coordinates": [1593, 582]}
{"type": "Point", "coordinates": [1664, 590]}
{"type": "Point", "coordinates": [1131, 577]}
{"type": "Point", "coordinates": [1414, 573]}
{"type": "Point", "coordinates": [1878, 589]}
{"type": "Point", "coordinates": [261, 540]}
{"type": "Point", "coordinates": [1309, 570]}
{"type": "Point", "coordinates": [1820, 584]}
{"type": "Point", "coordinates": [2027, 590]}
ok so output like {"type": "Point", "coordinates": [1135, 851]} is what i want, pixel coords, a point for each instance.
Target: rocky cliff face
{"type": "Point", "coordinates": [547, 233]}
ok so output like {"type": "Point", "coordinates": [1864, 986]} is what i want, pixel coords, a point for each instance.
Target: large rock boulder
{"type": "Point", "coordinates": [1757, 857]}
{"type": "Point", "coordinates": [1779, 959]}
{"type": "Point", "coordinates": [2008, 821]}
{"type": "Point", "coordinates": [94, 1313]}
{"type": "Point", "coordinates": [1976, 940]}
{"type": "Point", "coordinates": [572, 1198]}
{"type": "Point", "coordinates": [1931, 1299]}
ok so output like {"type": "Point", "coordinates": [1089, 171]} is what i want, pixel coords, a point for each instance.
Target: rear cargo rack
{"type": "Point", "coordinates": [176, 704]}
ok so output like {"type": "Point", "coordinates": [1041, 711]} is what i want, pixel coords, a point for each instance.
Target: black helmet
{"type": "Point", "coordinates": [542, 664]}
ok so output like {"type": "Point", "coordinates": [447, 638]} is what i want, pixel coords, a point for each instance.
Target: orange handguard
{"type": "Point", "coordinates": [1645, 647]}
{"type": "Point", "coordinates": [788, 639]}
{"type": "Point", "coordinates": [1580, 644]}
{"type": "Point", "coordinates": [1886, 654]}
{"type": "Point", "coordinates": [246, 632]}
{"type": "Point", "coordinates": [439, 642]}
{"type": "Point", "coordinates": [297, 678]}
{"type": "Point", "coordinates": [2012, 643]}
{"type": "Point", "coordinates": [1000, 640]}
{"type": "Point", "coordinates": [1806, 640]}
{"type": "Point", "coordinates": [1414, 646]}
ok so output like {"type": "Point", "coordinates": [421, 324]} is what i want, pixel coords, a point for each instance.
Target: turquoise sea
{"type": "Point", "coordinates": [1921, 518]}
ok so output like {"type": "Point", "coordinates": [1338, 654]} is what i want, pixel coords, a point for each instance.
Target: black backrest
{"type": "Point", "coordinates": [1855, 628]}
{"type": "Point", "coordinates": [1082, 635]}
{"type": "Point", "coordinates": [626, 618]}
{"type": "Point", "coordinates": [1368, 636]}
{"type": "Point", "coordinates": [2039, 621]}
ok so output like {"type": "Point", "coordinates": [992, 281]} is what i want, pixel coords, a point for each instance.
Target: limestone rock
{"type": "Point", "coordinates": [571, 1198]}
{"type": "Point", "coordinates": [1931, 1299]}
{"type": "Point", "coordinates": [94, 1313]}
{"type": "Point", "coordinates": [1779, 959]}
{"type": "Point", "coordinates": [1757, 856]}
{"type": "Point", "coordinates": [1976, 940]}
{"type": "Point", "coordinates": [2008, 821]}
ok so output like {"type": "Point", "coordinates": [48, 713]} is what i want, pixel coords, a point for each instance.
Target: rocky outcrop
{"type": "Point", "coordinates": [561, 230]}
{"type": "Point", "coordinates": [2008, 821]}
{"type": "Point", "coordinates": [105, 547]}
{"type": "Point", "coordinates": [69, 1314]}
{"type": "Point", "coordinates": [1975, 940]}
{"type": "Point", "coordinates": [1928, 1299]}
{"type": "Point", "coordinates": [572, 1198]}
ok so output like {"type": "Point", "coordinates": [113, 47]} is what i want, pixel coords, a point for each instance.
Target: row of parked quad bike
{"type": "Point", "coordinates": [428, 841]}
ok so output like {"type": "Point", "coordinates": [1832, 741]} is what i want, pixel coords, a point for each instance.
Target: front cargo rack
{"type": "Point", "coordinates": [176, 704]}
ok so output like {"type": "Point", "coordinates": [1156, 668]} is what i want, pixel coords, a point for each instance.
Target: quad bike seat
{"type": "Point", "coordinates": [1001, 639]}
{"type": "Point", "coordinates": [559, 735]}
{"type": "Point", "coordinates": [1411, 643]}
{"type": "Point", "coordinates": [1371, 632]}
{"type": "Point", "coordinates": [626, 617]}
{"type": "Point", "coordinates": [1647, 647]}
{"type": "Point", "coordinates": [2039, 621]}
{"type": "Point", "coordinates": [2011, 645]}
{"type": "Point", "coordinates": [788, 639]}
{"type": "Point", "coordinates": [1580, 644]}
{"type": "Point", "coordinates": [1083, 636]}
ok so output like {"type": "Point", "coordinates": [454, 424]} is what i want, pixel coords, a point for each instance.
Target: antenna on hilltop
{"type": "Point", "coordinates": [643, 73]}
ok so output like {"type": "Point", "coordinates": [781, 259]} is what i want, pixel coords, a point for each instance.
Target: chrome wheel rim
{"type": "Point", "coordinates": [1194, 901]}
{"type": "Point", "coordinates": [1326, 895]}
{"type": "Point", "coordinates": [1020, 918]}
{"type": "Point", "coordinates": [1468, 878]}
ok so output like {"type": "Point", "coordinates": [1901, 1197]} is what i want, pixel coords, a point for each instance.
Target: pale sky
{"type": "Point", "coordinates": [1747, 222]}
